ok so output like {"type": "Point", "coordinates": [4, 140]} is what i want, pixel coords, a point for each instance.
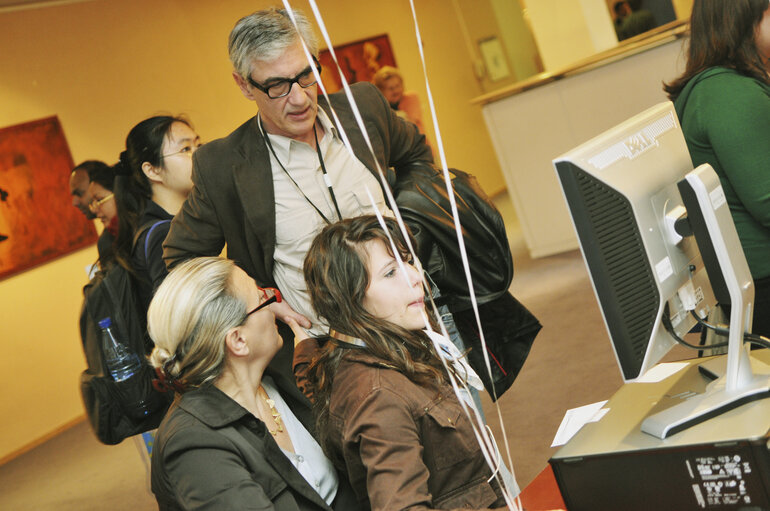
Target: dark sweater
{"type": "Point", "coordinates": [150, 270]}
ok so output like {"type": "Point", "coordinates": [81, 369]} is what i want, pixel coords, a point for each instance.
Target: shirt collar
{"type": "Point", "coordinates": [326, 123]}
{"type": "Point", "coordinates": [211, 406]}
{"type": "Point", "coordinates": [283, 145]}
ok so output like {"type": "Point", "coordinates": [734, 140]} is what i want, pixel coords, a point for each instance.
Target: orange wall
{"type": "Point", "coordinates": [102, 66]}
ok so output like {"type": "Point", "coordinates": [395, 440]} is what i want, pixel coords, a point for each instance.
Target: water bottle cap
{"type": "Point", "coordinates": [105, 323]}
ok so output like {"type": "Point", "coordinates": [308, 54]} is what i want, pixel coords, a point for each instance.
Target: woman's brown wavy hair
{"type": "Point", "coordinates": [337, 279]}
{"type": "Point", "coordinates": [722, 33]}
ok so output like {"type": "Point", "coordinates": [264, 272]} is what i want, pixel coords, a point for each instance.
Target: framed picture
{"type": "Point", "coordinates": [359, 61]}
{"type": "Point", "coordinates": [37, 220]}
{"type": "Point", "coordinates": [494, 59]}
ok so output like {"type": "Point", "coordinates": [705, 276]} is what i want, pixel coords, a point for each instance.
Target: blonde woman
{"type": "Point", "coordinates": [237, 435]}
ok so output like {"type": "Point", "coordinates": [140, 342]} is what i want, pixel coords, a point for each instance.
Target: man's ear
{"type": "Point", "coordinates": [243, 84]}
{"type": "Point", "coordinates": [235, 343]}
{"type": "Point", "coordinates": [152, 173]}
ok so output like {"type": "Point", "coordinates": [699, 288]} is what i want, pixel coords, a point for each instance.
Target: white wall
{"type": "Point", "coordinates": [569, 31]}
{"type": "Point", "coordinates": [101, 66]}
{"type": "Point", "coordinates": [561, 116]}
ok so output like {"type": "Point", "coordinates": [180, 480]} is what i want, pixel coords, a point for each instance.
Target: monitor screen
{"type": "Point", "coordinates": [621, 190]}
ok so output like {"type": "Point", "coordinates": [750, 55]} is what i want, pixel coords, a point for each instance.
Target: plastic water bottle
{"type": "Point", "coordinates": [121, 361]}
{"type": "Point", "coordinates": [123, 364]}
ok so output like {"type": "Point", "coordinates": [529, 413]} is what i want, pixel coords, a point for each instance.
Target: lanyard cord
{"type": "Point", "coordinates": [327, 179]}
{"type": "Point", "coordinates": [323, 169]}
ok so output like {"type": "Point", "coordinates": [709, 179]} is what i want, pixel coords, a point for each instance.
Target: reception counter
{"type": "Point", "coordinates": [534, 121]}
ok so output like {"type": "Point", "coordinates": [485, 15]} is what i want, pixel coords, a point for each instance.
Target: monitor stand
{"type": "Point", "coordinates": [742, 379]}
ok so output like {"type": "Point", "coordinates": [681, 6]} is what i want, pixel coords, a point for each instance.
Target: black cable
{"type": "Point", "coordinates": [757, 339]}
{"type": "Point", "coordinates": [670, 329]}
{"type": "Point", "coordinates": [725, 331]}
{"type": "Point", "coordinates": [719, 329]}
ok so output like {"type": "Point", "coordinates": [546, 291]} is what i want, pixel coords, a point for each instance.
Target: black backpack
{"type": "Point", "coordinates": [422, 199]}
{"type": "Point", "coordinates": [111, 294]}
{"type": "Point", "coordinates": [509, 327]}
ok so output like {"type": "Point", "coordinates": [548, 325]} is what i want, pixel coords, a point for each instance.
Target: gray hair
{"type": "Point", "coordinates": [264, 35]}
{"type": "Point", "coordinates": [189, 317]}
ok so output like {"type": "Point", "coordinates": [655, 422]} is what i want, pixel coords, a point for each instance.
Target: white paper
{"type": "Point", "coordinates": [576, 418]}
{"type": "Point", "coordinates": [660, 372]}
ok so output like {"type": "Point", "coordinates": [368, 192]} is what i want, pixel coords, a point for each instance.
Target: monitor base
{"type": "Point", "coordinates": [716, 400]}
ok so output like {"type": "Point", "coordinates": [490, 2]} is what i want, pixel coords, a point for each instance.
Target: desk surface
{"type": "Point", "coordinates": [620, 429]}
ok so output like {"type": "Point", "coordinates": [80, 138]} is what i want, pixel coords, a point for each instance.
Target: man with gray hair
{"type": "Point", "coordinates": [270, 186]}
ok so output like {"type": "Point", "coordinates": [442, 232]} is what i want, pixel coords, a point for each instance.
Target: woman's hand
{"type": "Point", "coordinates": [285, 313]}
{"type": "Point", "coordinates": [299, 334]}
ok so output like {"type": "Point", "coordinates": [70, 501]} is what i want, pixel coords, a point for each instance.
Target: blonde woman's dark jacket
{"type": "Point", "coordinates": [212, 454]}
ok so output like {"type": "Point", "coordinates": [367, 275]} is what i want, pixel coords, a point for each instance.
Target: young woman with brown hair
{"type": "Point", "coordinates": [387, 413]}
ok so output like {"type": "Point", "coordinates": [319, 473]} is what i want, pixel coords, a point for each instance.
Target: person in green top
{"type": "Point", "coordinates": [723, 104]}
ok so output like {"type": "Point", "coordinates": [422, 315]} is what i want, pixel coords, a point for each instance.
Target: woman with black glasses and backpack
{"type": "Point", "coordinates": [153, 180]}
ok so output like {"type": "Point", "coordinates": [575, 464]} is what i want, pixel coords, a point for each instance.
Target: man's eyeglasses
{"type": "Point", "coordinates": [281, 88]}
{"type": "Point", "coordinates": [269, 295]}
{"type": "Point", "coordinates": [95, 204]}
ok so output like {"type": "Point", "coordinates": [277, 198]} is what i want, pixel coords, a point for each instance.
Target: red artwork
{"type": "Point", "coordinates": [37, 220]}
{"type": "Point", "coordinates": [359, 61]}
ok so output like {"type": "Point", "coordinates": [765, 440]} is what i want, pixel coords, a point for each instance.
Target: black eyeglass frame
{"type": "Point", "coordinates": [290, 81]}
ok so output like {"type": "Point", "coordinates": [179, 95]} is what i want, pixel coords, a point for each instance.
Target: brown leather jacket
{"type": "Point", "coordinates": [403, 446]}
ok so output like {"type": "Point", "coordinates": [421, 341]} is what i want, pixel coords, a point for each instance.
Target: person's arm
{"type": "Point", "coordinates": [410, 104]}
{"type": "Point", "coordinates": [304, 352]}
{"type": "Point", "coordinates": [207, 473]}
{"type": "Point", "coordinates": [287, 314]}
{"type": "Point", "coordinates": [738, 126]}
{"type": "Point", "coordinates": [382, 432]}
{"type": "Point", "coordinates": [195, 230]}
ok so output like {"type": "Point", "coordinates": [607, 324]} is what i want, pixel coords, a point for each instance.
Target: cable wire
{"type": "Point", "coordinates": [666, 319]}
{"type": "Point", "coordinates": [722, 330]}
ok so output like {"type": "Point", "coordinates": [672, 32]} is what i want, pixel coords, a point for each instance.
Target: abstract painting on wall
{"type": "Point", "coordinates": [359, 61]}
{"type": "Point", "coordinates": [37, 220]}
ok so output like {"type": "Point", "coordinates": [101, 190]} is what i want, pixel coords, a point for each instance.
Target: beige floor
{"type": "Point", "coordinates": [571, 364]}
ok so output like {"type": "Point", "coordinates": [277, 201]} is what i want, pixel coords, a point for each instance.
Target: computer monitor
{"type": "Point", "coordinates": [623, 193]}
{"type": "Point", "coordinates": [621, 190]}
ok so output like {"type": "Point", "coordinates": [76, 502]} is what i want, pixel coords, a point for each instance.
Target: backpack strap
{"type": "Point", "coordinates": [149, 227]}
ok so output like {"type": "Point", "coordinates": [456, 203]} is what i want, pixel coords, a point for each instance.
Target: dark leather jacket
{"type": "Point", "coordinates": [403, 446]}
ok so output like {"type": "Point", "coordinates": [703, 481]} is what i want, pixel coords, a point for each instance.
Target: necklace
{"type": "Point", "coordinates": [346, 339]}
{"type": "Point", "coordinates": [276, 416]}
